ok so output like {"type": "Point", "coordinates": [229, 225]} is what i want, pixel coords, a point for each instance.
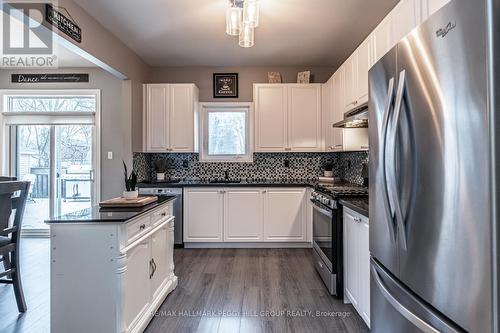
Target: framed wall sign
{"type": "Point", "coordinates": [49, 78]}
{"type": "Point", "coordinates": [63, 23]}
{"type": "Point", "coordinates": [225, 85]}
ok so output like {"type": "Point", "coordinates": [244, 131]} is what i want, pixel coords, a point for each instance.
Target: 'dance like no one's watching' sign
{"type": "Point", "coordinates": [225, 85]}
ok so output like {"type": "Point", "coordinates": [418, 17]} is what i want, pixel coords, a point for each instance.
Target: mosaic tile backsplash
{"type": "Point", "coordinates": [286, 166]}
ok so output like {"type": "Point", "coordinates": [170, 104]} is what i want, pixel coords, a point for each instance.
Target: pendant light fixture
{"type": "Point", "coordinates": [234, 20]}
{"type": "Point", "coordinates": [242, 17]}
{"type": "Point", "coordinates": [251, 13]}
{"type": "Point", "coordinates": [247, 36]}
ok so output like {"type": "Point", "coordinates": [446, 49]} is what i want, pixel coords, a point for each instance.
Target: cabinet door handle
{"type": "Point", "coordinates": [154, 267]}
{"type": "Point", "coordinates": [142, 226]}
{"type": "Point", "coordinates": [338, 146]}
{"type": "Point", "coordinates": [150, 268]}
{"type": "Point", "coordinates": [163, 214]}
{"type": "Point", "coordinates": [288, 149]}
{"type": "Point", "coordinates": [264, 192]}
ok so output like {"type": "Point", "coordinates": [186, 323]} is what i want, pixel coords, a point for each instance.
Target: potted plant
{"type": "Point", "coordinates": [130, 184]}
{"type": "Point", "coordinates": [160, 168]}
{"type": "Point", "coordinates": [328, 170]}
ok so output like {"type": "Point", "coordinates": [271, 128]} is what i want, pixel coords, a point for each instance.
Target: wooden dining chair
{"type": "Point", "coordinates": [13, 195]}
{"type": "Point", "coordinates": [6, 258]}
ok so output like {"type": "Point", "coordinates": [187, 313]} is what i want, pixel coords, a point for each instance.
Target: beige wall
{"type": "Point", "coordinates": [202, 77]}
{"type": "Point", "coordinates": [112, 138]}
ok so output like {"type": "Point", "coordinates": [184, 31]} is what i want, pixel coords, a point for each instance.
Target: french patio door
{"type": "Point", "coordinates": [56, 150]}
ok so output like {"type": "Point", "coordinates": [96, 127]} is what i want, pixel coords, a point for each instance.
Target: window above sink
{"type": "Point", "coordinates": [226, 132]}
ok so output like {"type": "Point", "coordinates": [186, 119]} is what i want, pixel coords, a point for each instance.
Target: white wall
{"type": "Point", "coordinates": [115, 129]}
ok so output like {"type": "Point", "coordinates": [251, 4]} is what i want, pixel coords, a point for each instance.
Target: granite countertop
{"type": "Point", "coordinates": [359, 205]}
{"type": "Point", "coordinates": [108, 215]}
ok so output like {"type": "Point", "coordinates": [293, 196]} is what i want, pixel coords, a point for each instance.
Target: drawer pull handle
{"type": "Point", "coordinates": [142, 226]}
{"type": "Point", "coordinates": [163, 214]}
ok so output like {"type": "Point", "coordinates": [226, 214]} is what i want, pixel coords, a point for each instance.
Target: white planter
{"type": "Point", "coordinates": [130, 194]}
{"type": "Point", "coordinates": [328, 173]}
{"type": "Point", "coordinates": [160, 176]}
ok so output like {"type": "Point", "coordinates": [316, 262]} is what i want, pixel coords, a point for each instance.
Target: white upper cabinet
{"type": "Point", "coordinates": [364, 60]}
{"type": "Point", "coordinates": [170, 117]}
{"type": "Point", "coordinates": [183, 104]}
{"type": "Point", "coordinates": [156, 113]}
{"type": "Point", "coordinates": [381, 39]}
{"type": "Point", "coordinates": [333, 111]}
{"type": "Point", "coordinates": [429, 7]}
{"type": "Point", "coordinates": [243, 215]}
{"type": "Point", "coordinates": [270, 117]}
{"type": "Point", "coordinates": [287, 117]}
{"type": "Point", "coordinates": [405, 17]}
{"type": "Point", "coordinates": [356, 76]}
{"type": "Point", "coordinates": [350, 73]}
{"type": "Point", "coordinates": [304, 117]}
{"type": "Point", "coordinates": [285, 215]}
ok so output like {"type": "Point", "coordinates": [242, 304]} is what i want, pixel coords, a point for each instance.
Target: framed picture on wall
{"type": "Point", "coordinates": [225, 85]}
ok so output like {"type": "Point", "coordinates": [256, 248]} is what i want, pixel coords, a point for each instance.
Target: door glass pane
{"type": "Point", "coordinates": [74, 172]}
{"type": "Point", "coordinates": [33, 165]}
{"type": "Point", "coordinates": [227, 133]}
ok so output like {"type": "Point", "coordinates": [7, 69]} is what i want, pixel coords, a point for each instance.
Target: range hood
{"type": "Point", "coordinates": [354, 119]}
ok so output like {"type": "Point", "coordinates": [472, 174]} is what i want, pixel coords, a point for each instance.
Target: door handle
{"type": "Point", "coordinates": [385, 124]}
{"type": "Point", "coordinates": [392, 174]}
{"type": "Point", "coordinates": [150, 268]}
{"type": "Point", "coordinates": [410, 316]}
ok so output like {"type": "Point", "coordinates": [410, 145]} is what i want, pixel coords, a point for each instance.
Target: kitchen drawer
{"type": "Point", "coordinates": [136, 228]}
{"type": "Point", "coordinates": [160, 215]}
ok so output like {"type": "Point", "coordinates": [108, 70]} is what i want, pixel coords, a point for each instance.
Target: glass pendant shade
{"type": "Point", "coordinates": [251, 13]}
{"type": "Point", "coordinates": [234, 17]}
{"type": "Point", "coordinates": [247, 36]}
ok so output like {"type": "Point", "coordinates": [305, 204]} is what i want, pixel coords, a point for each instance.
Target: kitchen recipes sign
{"type": "Point", "coordinates": [225, 85]}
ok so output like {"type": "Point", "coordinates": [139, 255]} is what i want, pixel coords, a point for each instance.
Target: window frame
{"type": "Point", "coordinates": [205, 109]}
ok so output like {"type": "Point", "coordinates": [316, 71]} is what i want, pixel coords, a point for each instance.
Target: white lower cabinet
{"type": "Point", "coordinates": [203, 214]}
{"type": "Point", "coordinates": [357, 262]}
{"type": "Point", "coordinates": [285, 215]}
{"type": "Point", "coordinates": [110, 277]}
{"type": "Point", "coordinates": [137, 283]}
{"type": "Point", "coordinates": [241, 214]}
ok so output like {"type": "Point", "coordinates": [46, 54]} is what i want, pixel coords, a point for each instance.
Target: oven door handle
{"type": "Point", "coordinates": [323, 211]}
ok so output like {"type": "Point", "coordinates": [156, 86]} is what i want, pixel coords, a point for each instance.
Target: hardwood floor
{"type": "Point", "coordinates": [242, 290]}
{"type": "Point", "coordinates": [35, 276]}
{"type": "Point", "coordinates": [251, 290]}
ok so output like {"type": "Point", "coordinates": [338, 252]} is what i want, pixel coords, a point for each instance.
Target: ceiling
{"type": "Point", "coordinates": [192, 32]}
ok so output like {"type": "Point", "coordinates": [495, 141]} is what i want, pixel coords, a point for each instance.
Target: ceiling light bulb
{"type": "Point", "coordinates": [247, 36]}
{"type": "Point", "coordinates": [234, 17]}
{"type": "Point", "coordinates": [251, 13]}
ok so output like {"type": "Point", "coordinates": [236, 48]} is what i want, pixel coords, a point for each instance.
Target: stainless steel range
{"type": "Point", "coordinates": [327, 233]}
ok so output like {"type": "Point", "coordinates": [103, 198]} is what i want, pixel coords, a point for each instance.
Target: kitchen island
{"type": "Point", "coordinates": [111, 269]}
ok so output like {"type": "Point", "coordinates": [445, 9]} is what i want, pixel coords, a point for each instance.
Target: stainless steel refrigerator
{"type": "Point", "coordinates": [433, 124]}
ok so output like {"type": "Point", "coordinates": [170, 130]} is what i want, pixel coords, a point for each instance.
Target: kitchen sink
{"type": "Point", "coordinates": [224, 181]}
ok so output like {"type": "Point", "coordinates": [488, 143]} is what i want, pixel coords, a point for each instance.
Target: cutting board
{"type": "Point", "coordinates": [122, 202]}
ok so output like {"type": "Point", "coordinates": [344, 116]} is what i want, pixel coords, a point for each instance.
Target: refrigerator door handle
{"type": "Point", "coordinates": [410, 316]}
{"type": "Point", "coordinates": [392, 174]}
{"type": "Point", "coordinates": [385, 124]}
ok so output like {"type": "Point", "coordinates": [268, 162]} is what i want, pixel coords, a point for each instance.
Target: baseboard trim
{"type": "Point", "coordinates": [270, 245]}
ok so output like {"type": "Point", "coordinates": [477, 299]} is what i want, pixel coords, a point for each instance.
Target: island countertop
{"type": "Point", "coordinates": [97, 214]}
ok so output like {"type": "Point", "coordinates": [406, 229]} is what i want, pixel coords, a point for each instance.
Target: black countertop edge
{"type": "Point", "coordinates": [240, 184]}
{"type": "Point", "coordinates": [359, 205]}
{"type": "Point", "coordinates": [97, 214]}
